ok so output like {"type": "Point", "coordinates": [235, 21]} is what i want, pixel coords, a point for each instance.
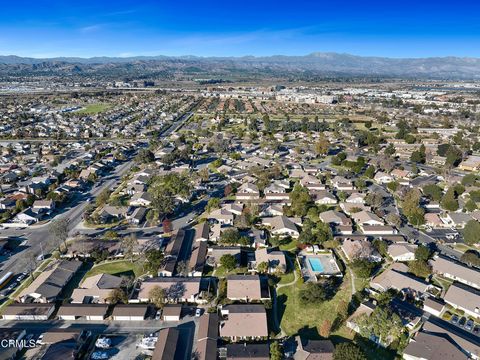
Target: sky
{"type": "Point", "coordinates": [421, 28]}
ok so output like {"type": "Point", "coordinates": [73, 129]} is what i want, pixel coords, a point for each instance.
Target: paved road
{"type": "Point", "coordinates": [408, 230]}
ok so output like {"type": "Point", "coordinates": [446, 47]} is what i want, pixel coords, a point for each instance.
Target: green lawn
{"type": "Point", "coordinates": [286, 278]}
{"type": "Point", "coordinates": [94, 109]}
{"type": "Point", "coordinates": [296, 317]}
{"type": "Point", "coordinates": [222, 272]}
{"type": "Point", "coordinates": [441, 281]}
{"type": "Point", "coordinates": [120, 267]}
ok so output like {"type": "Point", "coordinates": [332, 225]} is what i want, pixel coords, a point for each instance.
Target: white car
{"type": "Point", "coordinates": [198, 312]}
{"type": "Point", "coordinates": [158, 315]}
{"type": "Point", "coordinates": [39, 340]}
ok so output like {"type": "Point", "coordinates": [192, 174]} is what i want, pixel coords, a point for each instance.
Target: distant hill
{"type": "Point", "coordinates": [308, 66]}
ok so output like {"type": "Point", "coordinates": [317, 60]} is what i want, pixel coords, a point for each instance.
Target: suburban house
{"type": "Point", "coordinates": [313, 349]}
{"type": "Point", "coordinates": [96, 289]}
{"type": "Point", "coordinates": [247, 288]}
{"type": "Point", "coordinates": [247, 192]}
{"type": "Point", "coordinates": [396, 277]}
{"type": "Point", "coordinates": [177, 289]}
{"type": "Point", "coordinates": [202, 231]}
{"type": "Point", "coordinates": [92, 312]}
{"type": "Point", "coordinates": [432, 346]}
{"type": "Point", "coordinates": [402, 251]}
{"type": "Point", "coordinates": [242, 322]}
{"type": "Point", "coordinates": [283, 226]}
{"type": "Point", "coordinates": [360, 249]}
{"type": "Point", "coordinates": [167, 346]}
{"type": "Point", "coordinates": [456, 271]}
{"type": "Point", "coordinates": [246, 351]}
{"type": "Point", "coordinates": [18, 311]}
{"type": "Point", "coordinates": [342, 184]}
{"type": "Point", "coordinates": [198, 258]}
{"type": "Point", "coordinates": [464, 298]}
{"type": "Point", "coordinates": [275, 259]}
{"type": "Point", "coordinates": [48, 286]}
{"type": "Point", "coordinates": [207, 337]}
{"type": "Point", "coordinates": [130, 312]}
{"type": "Point", "coordinates": [324, 198]}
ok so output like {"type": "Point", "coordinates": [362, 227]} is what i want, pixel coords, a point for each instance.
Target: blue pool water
{"type": "Point", "coordinates": [316, 264]}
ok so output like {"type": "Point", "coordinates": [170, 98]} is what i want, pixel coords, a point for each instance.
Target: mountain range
{"type": "Point", "coordinates": [307, 67]}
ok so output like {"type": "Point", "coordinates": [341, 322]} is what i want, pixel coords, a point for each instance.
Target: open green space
{"type": "Point", "coordinates": [119, 267]}
{"type": "Point", "coordinates": [92, 109]}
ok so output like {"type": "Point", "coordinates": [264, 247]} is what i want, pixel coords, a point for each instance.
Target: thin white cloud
{"type": "Point", "coordinates": [90, 28]}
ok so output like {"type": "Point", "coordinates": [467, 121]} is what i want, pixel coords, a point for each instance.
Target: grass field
{"type": "Point", "coordinates": [305, 319]}
{"type": "Point", "coordinates": [120, 267]}
{"type": "Point", "coordinates": [92, 109]}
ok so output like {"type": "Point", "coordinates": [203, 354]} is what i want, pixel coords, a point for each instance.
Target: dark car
{"type": "Point", "coordinates": [469, 325]}
{"type": "Point", "coordinates": [462, 321]}
{"type": "Point", "coordinates": [476, 330]}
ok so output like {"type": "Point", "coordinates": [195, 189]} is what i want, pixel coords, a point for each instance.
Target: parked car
{"type": "Point", "coordinates": [198, 312]}
{"type": "Point", "coordinates": [469, 325]}
{"type": "Point", "coordinates": [476, 330]}
{"type": "Point", "coordinates": [158, 315]}
{"type": "Point", "coordinates": [454, 319]}
{"type": "Point", "coordinates": [462, 321]}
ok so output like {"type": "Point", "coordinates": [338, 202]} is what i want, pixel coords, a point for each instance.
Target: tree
{"type": "Point", "coordinates": [381, 246]}
{"type": "Point", "coordinates": [470, 205]}
{"type": "Point", "coordinates": [362, 267]}
{"type": "Point", "coordinates": [454, 156]}
{"type": "Point", "coordinates": [129, 245]}
{"type": "Point", "coordinates": [422, 253]}
{"type": "Point", "coordinates": [322, 145]}
{"type": "Point", "coordinates": [390, 150]}
{"type": "Point", "coordinates": [449, 201]}
{"type": "Point", "coordinates": [59, 230]}
{"type": "Point", "coordinates": [312, 293]}
{"type": "Point", "coordinates": [262, 267]}
{"type": "Point", "coordinates": [419, 156]}
{"type": "Point", "coordinates": [433, 192]}
{"type": "Point", "coordinates": [348, 351]}
{"type": "Point", "coordinates": [157, 296]}
{"type": "Point", "coordinates": [182, 268]}
{"type": "Point", "coordinates": [394, 219]}
{"type": "Point", "coordinates": [374, 199]}
{"type": "Point", "coordinates": [276, 351]}
{"type": "Point", "coordinates": [117, 296]}
{"type": "Point", "coordinates": [325, 328]}
{"type": "Point", "coordinates": [167, 226]}
{"type": "Point", "coordinates": [419, 268]}
{"type": "Point", "coordinates": [230, 236]}
{"type": "Point", "coordinates": [154, 259]}
{"type": "Point", "coordinates": [144, 156]}
{"type": "Point", "coordinates": [382, 323]}
{"type": "Point", "coordinates": [228, 261]}
{"type": "Point", "coordinates": [412, 209]}
{"type": "Point", "coordinates": [471, 232]}
{"type": "Point", "coordinates": [300, 200]}
{"type": "Point", "coordinates": [469, 179]}
{"type": "Point", "coordinates": [213, 203]}
{"type": "Point", "coordinates": [103, 197]}
{"type": "Point", "coordinates": [471, 258]}
{"type": "Point", "coordinates": [370, 172]}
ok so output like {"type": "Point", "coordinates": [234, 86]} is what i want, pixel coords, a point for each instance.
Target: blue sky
{"type": "Point", "coordinates": [421, 28]}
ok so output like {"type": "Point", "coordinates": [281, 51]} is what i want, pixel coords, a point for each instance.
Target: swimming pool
{"type": "Point", "coordinates": [315, 264]}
